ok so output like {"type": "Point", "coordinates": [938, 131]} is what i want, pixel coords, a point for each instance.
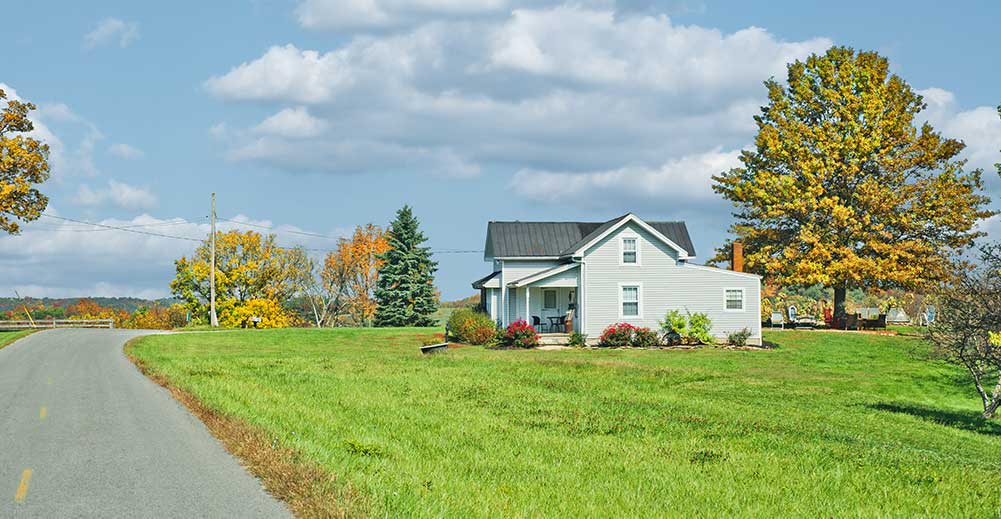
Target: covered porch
{"type": "Point", "coordinates": [548, 300]}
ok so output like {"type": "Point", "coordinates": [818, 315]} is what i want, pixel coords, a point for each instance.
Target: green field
{"type": "Point", "coordinates": [8, 337]}
{"type": "Point", "coordinates": [826, 424]}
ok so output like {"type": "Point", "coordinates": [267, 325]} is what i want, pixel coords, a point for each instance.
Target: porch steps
{"type": "Point", "coordinates": [554, 339]}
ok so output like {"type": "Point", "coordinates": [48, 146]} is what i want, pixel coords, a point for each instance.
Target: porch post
{"type": "Point", "coordinates": [528, 297]}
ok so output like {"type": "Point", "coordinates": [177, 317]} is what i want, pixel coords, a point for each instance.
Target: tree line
{"type": "Point", "coordinates": [375, 277]}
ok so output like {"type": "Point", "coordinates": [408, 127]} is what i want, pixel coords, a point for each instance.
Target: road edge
{"type": "Point", "coordinates": [12, 340]}
{"type": "Point", "coordinates": [305, 488]}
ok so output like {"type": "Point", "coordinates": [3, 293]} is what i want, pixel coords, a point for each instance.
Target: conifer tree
{"type": "Point", "coordinates": [405, 292]}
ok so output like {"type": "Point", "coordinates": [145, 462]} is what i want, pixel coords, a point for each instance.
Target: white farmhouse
{"type": "Point", "coordinates": [597, 274]}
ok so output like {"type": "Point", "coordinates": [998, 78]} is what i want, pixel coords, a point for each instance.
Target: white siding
{"type": "Point", "coordinates": [513, 270]}
{"type": "Point", "coordinates": [665, 284]}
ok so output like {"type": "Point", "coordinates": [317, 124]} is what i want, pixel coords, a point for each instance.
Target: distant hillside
{"type": "Point", "coordinates": [129, 304]}
{"type": "Point", "coordinates": [467, 302]}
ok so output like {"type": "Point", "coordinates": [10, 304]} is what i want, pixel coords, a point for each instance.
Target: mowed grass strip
{"type": "Point", "coordinates": [8, 337]}
{"type": "Point", "coordinates": [826, 424]}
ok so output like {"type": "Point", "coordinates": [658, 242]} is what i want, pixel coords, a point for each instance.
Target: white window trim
{"type": "Point", "coordinates": [743, 299]}
{"type": "Point", "coordinates": [639, 301]}
{"type": "Point", "coordinates": [556, 299]}
{"type": "Point", "coordinates": [622, 249]}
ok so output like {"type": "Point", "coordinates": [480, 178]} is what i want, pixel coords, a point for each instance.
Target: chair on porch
{"type": "Point", "coordinates": [537, 323]}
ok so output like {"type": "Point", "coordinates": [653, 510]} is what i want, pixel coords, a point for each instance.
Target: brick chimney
{"type": "Point", "coordinates": [737, 259]}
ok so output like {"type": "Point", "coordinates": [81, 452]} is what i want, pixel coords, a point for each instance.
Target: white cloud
{"type": "Point", "coordinates": [65, 259]}
{"type": "Point", "coordinates": [125, 151]}
{"type": "Point", "coordinates": [570, 89]}
{"type": "Point", "coordinates": [118, 194]}
{"type": "Point", "coordinates": [292, 123]}
{"type": "Point", "coordinates": [283, 73]}
{"type": "Point", "coordinates": [685, 181]}
{"type": "Point", "coordinates": [109, 30]}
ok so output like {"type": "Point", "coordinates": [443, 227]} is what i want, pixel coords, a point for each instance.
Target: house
{"type": "Point", "coordinates": [622, 270]}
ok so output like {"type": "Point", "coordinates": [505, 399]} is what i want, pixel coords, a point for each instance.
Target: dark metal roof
{"type": "Point", "coordinates": [478, 284]}
{"type": "Point", "coordinates": [551, 239]}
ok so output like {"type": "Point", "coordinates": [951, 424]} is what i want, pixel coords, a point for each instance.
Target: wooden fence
{"type": "Point", "coordinates": [57, 323]}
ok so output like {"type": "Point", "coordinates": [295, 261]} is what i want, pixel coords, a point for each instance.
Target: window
{"type": "Point", "coordinates": [630, 301]}
{"type": "Point", "coordinates": [734, 299]}
{"type": "Point", "coordinates": [630, 256]}
{"type": "Point", "coordinates": [549, 299]}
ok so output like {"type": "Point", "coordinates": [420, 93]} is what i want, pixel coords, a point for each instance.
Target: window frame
{"type": "Point", "coordinates": [622, 249]}
{"type": "Point", "coordinates": [556, 299]}
{"type": "Point", "coordinates": [639, 300]}
{"type": "Point", "coordinates": [743, 299]}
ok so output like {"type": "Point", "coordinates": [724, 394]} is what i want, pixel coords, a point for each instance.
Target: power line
{"type": "Point", "coordinates": [120, 228]}
{"type": "Point", "coordinates": [84, 228]}
{"type": "Point", "coordinates": [135, 230]}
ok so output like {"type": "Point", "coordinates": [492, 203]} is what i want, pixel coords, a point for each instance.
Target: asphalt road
{"type": "Point", "coordinates": [84, 434]}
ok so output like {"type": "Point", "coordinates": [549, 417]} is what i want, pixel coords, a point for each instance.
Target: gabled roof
{"type": "Point", "coordinates": [556, 239]}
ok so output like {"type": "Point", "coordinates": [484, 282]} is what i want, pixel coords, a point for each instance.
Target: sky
{"type": "Point", "coordinates": [310, 117]}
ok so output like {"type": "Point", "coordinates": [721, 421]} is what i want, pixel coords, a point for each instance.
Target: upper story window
{"type": "Point", "coordinates": [733, 299]}
{"type": "Point", "coordinates": [630, 251]}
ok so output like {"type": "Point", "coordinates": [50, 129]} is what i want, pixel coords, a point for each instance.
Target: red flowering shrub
{"type": "Point", "coordinates": [521, 334]}
{"type": "Point", "coordinates": [617, 335]}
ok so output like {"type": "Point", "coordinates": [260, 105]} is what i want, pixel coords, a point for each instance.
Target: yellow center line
{"type": "Point", "coordinates": [50, 381]}
{"type": "Point", "coordinates": [44, 411]}
{"type": "Point", "coordinates": [22, 489]}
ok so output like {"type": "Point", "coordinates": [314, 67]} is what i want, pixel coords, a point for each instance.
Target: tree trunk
{"type": "Point", "coordinates": [991, 411]}
{"type": "Point", "coordinates": [840, 315]}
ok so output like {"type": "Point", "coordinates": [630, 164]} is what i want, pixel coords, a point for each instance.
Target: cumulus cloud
{"type": "Point", "coordinates": [685, 181]}
{"type": "Point", "coordinates": [65, 259]}
{"type": "Point", "coordinates": [119, 194]}
{"type": "Point", "coordinates": [565, 88]}
{"type": "Point", "coordinates": [125, 151]}
{"type": "Point", "coordinates": [110, 30]}
{"type": "Point", "coordinates": [71, 138]}
{"type": "Point", "coordinates": [293, 123]}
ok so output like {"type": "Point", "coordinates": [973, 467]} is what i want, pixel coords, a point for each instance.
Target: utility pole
{"type": "Point", "coordinates": [213, 320]}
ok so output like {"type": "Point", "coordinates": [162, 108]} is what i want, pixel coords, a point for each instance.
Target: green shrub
{"type": "Point", "coordinates": [646, 338]}
{"type": "Point", "coordinates": [739, 339]}
{"type": "Point", "coordinates": [577, 340]}
{"type": "Point", "coordinates": [692, 328]}
{"type": "Point", "coordinates": [699, 328]}
{"type": "Point", "coordinates": [471, 327]}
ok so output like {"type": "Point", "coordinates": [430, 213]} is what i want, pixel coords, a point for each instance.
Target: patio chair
{"type": "Point", "coordinates": [537, 323]}
{"type": "Point", "coordinates": [778, 319]}
{"type": "Point", "coordinates": [852, 322]}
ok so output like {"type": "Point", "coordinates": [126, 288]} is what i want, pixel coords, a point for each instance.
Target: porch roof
{"type": "Point", "coordinates": [539, 276]}
{"type": "Point", "coordinates": [488, 281]}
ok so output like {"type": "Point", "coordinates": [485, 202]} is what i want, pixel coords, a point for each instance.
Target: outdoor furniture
{"type": "Point", "coordinates": [872, 324]}
{"type": "Point", "coordinates": [568, 322]}
{"type": "Point", "coordinates": [557, 322]}
{"type": "Point", "coordinates": [537, 323]}
{"type": "Point", "coordinates": [852, 322]}
{"type": "Point", "coordinates": [778, 319]}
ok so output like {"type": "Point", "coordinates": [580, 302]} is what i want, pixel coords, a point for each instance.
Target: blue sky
{"type": "Point", "coordinates": [318, 115]}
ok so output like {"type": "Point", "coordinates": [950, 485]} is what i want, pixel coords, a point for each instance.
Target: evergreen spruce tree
{"type": "Point", "coordinates": [405, 291]}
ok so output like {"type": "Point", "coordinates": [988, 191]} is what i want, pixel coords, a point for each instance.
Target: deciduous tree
{"type": "Point", "coordinates": [843, 189]}
{"type": "Point", "coordinates": [24, 163]}
{"type": "Point", "coordinates": [249, 266]}
{"type": "Point", "coordinates": [405, 292]}
{"type": "Point", "coordinates": [965, 329]}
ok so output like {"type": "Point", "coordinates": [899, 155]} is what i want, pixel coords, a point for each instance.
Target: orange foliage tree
{"type": "Point", "coordinates": [344, 292]}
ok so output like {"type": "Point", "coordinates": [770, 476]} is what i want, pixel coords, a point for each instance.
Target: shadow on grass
{"type": "Point", "coordinates": [966, 421]}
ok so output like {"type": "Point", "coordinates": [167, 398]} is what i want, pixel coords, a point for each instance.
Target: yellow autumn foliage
{"type": "Point", "coordinates": [24, 163]}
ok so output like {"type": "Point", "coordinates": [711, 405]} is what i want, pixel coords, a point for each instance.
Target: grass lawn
{"type": "Point", "coordinates": [827, 424]}
{"type": "Point", "coordinates": [6, 338]}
